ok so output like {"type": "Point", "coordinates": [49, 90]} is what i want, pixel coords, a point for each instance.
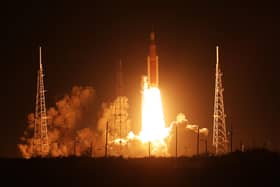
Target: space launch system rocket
{"type": "Point", "coordinates": [152, 63]}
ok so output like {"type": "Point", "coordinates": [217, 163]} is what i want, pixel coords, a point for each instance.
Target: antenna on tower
{"type": "Point", "coordinates": [219, 124]}
{"type": "Point", "coordinates": [40, 139]}
{"type": "Point", "coordinates": [119, 80]}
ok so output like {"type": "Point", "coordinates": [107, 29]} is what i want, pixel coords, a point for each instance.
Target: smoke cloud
{"type": "Point", "coordinates": [70, 134]}
{"type": "Point", "coordinates": [186, 136]}
{"type": "Point", "coordinates": [66, 135]}
{"type": "Point", "coordinates": [115, 114]}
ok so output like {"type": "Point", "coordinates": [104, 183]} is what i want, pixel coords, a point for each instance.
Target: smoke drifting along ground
{"type": "Point", "coordinates": [72, 132]}
{"type": "Point", "coordinates": [65, 132]}
{"type": "Point", "coordinates": [186, 136]}
{"type": "Point", "coordinates": [116, 116]}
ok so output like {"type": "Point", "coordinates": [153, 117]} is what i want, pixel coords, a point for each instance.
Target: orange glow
{"type": "Point", "coordinates": [153, 124]}
{"type": "Point", "coordinates": [154, 133]}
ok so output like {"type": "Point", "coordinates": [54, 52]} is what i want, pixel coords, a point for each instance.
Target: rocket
{"type": "Point", "coordinates": [152, 63]}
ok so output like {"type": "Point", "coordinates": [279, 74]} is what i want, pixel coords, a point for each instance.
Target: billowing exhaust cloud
{"type": "Point", "coordinates": [71, 133]}
{"type": "Point", "coordinates": [181, 118]}
{"type": "Point", "coordinates": [119, 125]}
{"type": "Point", "coordinates": [66, 136]}
{"type": "Point", "coordinates": [202, 131]}
{"type": "Point", "coordinates": [186, 136]}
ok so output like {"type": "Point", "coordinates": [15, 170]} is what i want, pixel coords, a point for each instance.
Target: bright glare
{"type": "Point", "coordinates": [153, 125]}
{"type": "Point", "coordinates": [154, 134]}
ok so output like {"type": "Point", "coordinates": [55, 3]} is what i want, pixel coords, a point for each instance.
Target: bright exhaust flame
{"type": "Point", "coordinates": [153, 124]}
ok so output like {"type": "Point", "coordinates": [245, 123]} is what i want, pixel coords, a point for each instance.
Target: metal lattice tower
{"type": "Point", "coordinates": [121, 103]}
{"type": "Point", "coordinates": [219, 124]}
{"type": "Point", "coordinates": [40, 140]}
{"type": "Point", "coordinates": [119, 80]}
{"type": "Point", "coordinates": [118, 124]}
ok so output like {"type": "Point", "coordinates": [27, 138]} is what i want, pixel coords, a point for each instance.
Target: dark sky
{"type": "Point", "coordinates": [83, 42]}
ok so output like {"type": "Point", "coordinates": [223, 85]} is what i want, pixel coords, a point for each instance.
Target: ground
{"type": "Point", "coordinates": [252, 168]}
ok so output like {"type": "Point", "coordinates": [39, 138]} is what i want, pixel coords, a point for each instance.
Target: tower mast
{"type": "Point", "coordinates": [119, 80]}
{"type": "Point", "coordinates": [119, 113]}
{"type": "Point", "coordinates": [40, 139]}
{"type": "Point", "coordinates": [219, 123]}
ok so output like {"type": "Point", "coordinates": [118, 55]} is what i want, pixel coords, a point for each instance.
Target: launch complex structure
{"type": "Point", "coordinates": [41, 147]}
{"type": "Point", "coordinates": [220, 140]}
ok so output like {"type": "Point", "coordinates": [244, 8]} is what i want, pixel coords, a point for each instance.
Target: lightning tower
{"type": "Point", "coordinates": [219, 124]}
{"type": "Point", "coordinates": [119, 126]}
{"type": "Point", "coordinates": [40, 139]}
{"type": "Point", "coordinates": [119, 80]}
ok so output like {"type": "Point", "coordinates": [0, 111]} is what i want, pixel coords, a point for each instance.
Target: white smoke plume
{"type": "Point", "coordinates": [181, 118]}
{"type": "Point", "coordinates": [66, 136]}
{"type": "Point", "coordinates": [202, 131]}
{"type": "Point", "coordinates": [119, 125]}
{"type": "Point", "coordinates": [186, 136]}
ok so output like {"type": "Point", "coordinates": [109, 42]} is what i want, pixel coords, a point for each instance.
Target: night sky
{"type": "Point", "coordinates": [84, 42]}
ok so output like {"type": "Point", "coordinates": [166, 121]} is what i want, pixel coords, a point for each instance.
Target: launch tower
{"type": "Point", "coordinates": [219, 124]}
{"type": "Point", "coordinates": [119, 127]}
{"type": "Point", "coordinates": [40, 139]}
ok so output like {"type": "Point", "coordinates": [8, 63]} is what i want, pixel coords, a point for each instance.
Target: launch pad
{"type": "Point", "coordinates": [155, 136]}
